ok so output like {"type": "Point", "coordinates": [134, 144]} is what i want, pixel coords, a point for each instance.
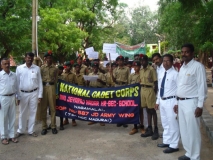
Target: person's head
{"type": "Point", "coordinates": [29, 57]}
{"type": "Point", "coordinates": [156, 58]}
{"type": "Point", "coordinates": [187, 52]}
{"type": "Point", "coordinates": [136, 57]}
{"type": "Point", "coordinates": [120, 60]}
{"type": "Point", "coordinates": [68, 65]}
{"type": "Point", "coordinates": [86, 62]}
{"type": "Point", "coordinates": [48, 57]}
{"type": "Point", "coordinates": [5, 65]}
{"type": "Point", "coordinates": [108, 66]}
{"type": "Point", "coordinates": [129, 64]}
{"type": "Point", "coordinates": [95, 67]}
{"type": "Point", "coordinates": [77, 68]}
{"type": "Point", "coordinates": [126, 59]}
{"type": "Point", "coordinates": [60, 70]}
{"type": "Point", "coordinates": [114, 65]}
{"type": "Point", "coordinates": [145, 61]}
{"type": "Point", "coordinates": [137, 66]}
{"type": "Point", "coordinates": [167, 61]}
{"type": "Point", "coordinates": [79, 59]}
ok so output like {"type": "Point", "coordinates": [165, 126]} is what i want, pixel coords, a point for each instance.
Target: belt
{"type": "Point", "coordinates": [146, 86]}
{"type": "Point", "coordinates": [120, 83]}
{"type": "Point", "coordinates": [48, 83]}
{"type": "Point", "coordinates": [8, 94]}
{"type": "Point", "coordinates": [165, 98]}
{"type": "Point", "coordinates": [178, 98]}
{"type": "Point", "coordinates": [29, 91]}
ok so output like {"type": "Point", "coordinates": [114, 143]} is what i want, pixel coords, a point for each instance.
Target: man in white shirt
{"type": "Point", "coordinates": [8, 90]}
{"type": "Point", "coordinates": [156, 58]}
{"type": "Point", "coordinates": [29, 94]}
{"type": "Point", "coordinates": [166, 100]}
{"type": "Point", "coordinates": [191, 94]}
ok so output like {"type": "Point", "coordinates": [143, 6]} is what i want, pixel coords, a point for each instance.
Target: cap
{"type": "Point", "coordinates": [120, 58]}
{"type": "Point", "coordinates": [76, 65]}
{"type": "Point", "coordinates": [69, 63]}
{"type": "Point", "coordinates": [136, 63]}
{"type": "Point", "coordinates": [86, 60]}
{"type": "Point", "coordinates": [95, 64]}
{"type": "Point", "coordinates": [49, 53]}
{"type": "Point", "coordinates": [136, 55]}
{"type": "Point", "coordinates": [60, 67]}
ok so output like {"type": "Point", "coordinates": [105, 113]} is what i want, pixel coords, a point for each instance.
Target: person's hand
{"type": "Point", "coordinates": [175, 109]}
{"type": "Point", "coordinates": [198, 112]}
{"type": "Point", "coordinates": [39, 100]}
{"type": "Point", "coordinates": [156, 106]}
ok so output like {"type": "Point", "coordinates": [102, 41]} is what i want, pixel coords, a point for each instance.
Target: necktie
{"type": "Point", "coordinates": [162, 85]}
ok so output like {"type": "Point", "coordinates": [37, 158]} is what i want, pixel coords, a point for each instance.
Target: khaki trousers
{"type": "Point", "coordinates": [49, 99]}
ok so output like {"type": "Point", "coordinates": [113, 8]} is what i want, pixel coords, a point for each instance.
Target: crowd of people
{"type": "Point", "coordinates": [179, 94]}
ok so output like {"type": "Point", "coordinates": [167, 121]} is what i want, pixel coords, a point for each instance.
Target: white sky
{"type": "Point", "coordinates": [135, 3]}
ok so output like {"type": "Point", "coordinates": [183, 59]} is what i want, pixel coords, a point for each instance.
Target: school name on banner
{"type": "Point", "coordinates": [106, 105]}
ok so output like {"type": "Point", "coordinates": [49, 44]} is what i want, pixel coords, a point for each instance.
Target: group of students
{"type": "Point", "coordinates": [178, 96]}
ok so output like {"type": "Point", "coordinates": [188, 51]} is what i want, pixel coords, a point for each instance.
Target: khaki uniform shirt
{"type": "Point", "coordinates": [70, 77]}
{"type": "Point", "coordinates": [80, 79]}
{"type": "Point", "coordinates": [84, 70]}
{"type": "Point", "coordinates": [96, 84]}
{"type": "Point", "coordinates": [49, 73]}
{"type": "Point", "coordinates": [109, 81]}
{"type": "Point", "coordinates": [134, 78]}
{"type": "Point", "coordinates": [61, 77]}
{"type": "Point", "coordinates": [148, 76]}
{"type": "Point", "coordinates": [121, 74]}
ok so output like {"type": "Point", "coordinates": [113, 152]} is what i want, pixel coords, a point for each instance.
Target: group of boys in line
{"type": "Point", "coordinates": [35, 88]}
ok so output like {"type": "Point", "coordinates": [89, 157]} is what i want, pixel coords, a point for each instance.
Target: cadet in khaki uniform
{"type": "Point", "coordinates": [79, 77]}
{"type": "Point", "coordinates": [148, 77]}
{"type": "Point", "coordinates": [99, 83]}
{"type": "Point", "coordinates": [61, 77]}
{"type": "Point", "coordinates": [49, 75]}
{"type": "Point", "coordinates": [71, 78]}
{"type": "Point", "coordinates": [83, 68]}
{"type": "Point", "coordinates": [135, 78]}
{"type": "Point", "coordinates": [109, 80]}
{"type": "Point", "coordinates": [120, 76]}
{"type": "Point", "coordinates": [86, 62]}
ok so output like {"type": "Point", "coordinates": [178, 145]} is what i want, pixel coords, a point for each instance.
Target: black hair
{"type": "Point", "coordinates": [156, 54]}
{"type": "Point", "coordinates": [188, 45]}
{"type": "Point", "coordinates": [5, 59]}
{"type": "Point", "coordinates": [169, 56]}
{"type": "Point", "coordinates": [29, 54]}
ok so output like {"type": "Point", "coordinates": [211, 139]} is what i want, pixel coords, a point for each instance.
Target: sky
{"type": "Point", "coordinates": [135, 3]}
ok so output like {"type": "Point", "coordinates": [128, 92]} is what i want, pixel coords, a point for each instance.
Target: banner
{"type": "Point", "coordinates": [105, 105]}
{"type": "Point", "coordinates": [109, 48]}
{"type": "Point", "coordinates": [130, 51]}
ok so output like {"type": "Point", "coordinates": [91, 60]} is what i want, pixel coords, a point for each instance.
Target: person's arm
{"type": "Point", "coordinates": [102, 79]}
{"type": "Point", "coordinates": [202, 89]}
{"type": "Point", "coordinates": [40, 84]}
{"type": "Point", "coordinates": [112, 73]}
{"type": "Point", "coordinates": [18, 84]}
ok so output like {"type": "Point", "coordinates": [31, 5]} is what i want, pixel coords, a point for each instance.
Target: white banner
{"type": "Point", "coordinates": [113, 56]}
{"type": "Point", "coordinates": [93, 55]}
{"type": "Point", "coordinates": [88, 50]}
{"type": "Point", "coordinates": [109, 48]}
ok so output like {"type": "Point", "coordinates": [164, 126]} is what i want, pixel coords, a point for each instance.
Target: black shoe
{"type": "Point", "coordinates": [44, 132]}
{"type": "Point", "coordinates": [155, 135]}
{"type": "Point", "coordinates": [148, 133]}
{"type": "Point", "coordinates": [54, 131]}
{"type": "Point", "coordinates": [61, 128]}
{"type": "Point", "coordinates": [125, 125]}
{"type": "Point", "coordinates": [171, 150]}
{"type": "Point", "coordinates": [49, 127]}
{"type": "Point", "coordinates": [119, 125]}
{"type": "Point", "coordinates": [163, 145]}
{"type": "Point", "coordinates": [183, 158]}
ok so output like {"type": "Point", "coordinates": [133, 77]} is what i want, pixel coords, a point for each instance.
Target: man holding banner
{"type": "Point", "coordinates": [99, 83]}
{"type": "Point", "coordinates": [120, 77]}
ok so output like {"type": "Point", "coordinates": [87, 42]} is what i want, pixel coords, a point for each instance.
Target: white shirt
{"type": "Point", "coordinates": [160, 69]}
{"type": "Point", "coordinates": [8, 83]}
{"type": "Point", "coordinates": [170, 86]}
{"type": "Point", "coordinates": [192, 82]}
{"type": "Point", "coordinates": [29, 79]}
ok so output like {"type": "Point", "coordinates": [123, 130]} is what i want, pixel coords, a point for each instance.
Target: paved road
{"type": "Point", "coordinates": [92, 143]}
